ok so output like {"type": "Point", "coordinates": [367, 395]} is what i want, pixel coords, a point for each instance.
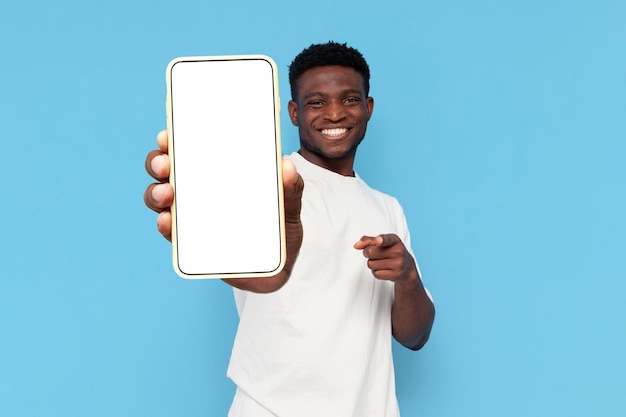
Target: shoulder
{"type": "Point", "coordinates": [381, 196]}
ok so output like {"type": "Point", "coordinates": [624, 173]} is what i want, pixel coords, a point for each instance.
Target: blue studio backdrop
{"type": "Point", "coordinates": [499, 125]}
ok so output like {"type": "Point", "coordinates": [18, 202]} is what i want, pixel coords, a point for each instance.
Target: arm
{"type": "Point", "coordinates": [159, 196]}
{"type": "Point", "coordinates": [412, 313]}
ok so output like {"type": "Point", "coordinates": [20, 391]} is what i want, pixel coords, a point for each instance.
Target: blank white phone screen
{"type": "Point", "coordinates": [226, 161]}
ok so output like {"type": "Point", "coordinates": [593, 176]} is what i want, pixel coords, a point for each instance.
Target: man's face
{"type": "Point", "coordinates": [331, 111]}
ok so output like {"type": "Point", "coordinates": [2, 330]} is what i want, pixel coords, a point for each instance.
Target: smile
{"type": "Point", "coordinates": [334, 133]}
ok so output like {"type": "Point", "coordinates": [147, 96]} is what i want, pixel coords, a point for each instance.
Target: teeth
{"type": "Point", "coordinates": [334, 132]}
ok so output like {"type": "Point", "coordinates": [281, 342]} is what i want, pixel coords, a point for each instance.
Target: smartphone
{"type": "Point", "coordinates": [226, 166]}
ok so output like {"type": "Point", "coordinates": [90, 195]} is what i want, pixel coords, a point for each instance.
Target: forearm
{"type": "Point", "coordinates": [412, 314]}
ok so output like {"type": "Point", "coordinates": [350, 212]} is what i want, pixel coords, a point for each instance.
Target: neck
{"type": "Point", "coordinates": [342, 166]}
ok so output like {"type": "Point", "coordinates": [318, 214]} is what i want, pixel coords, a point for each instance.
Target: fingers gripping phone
{"type": "Point", "coordinates": [226, 167]}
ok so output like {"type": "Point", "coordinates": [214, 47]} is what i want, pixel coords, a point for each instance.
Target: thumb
{"type": "Point", "coordinates": [289, 172]}
{"type": "Point", "coordinates": [389, 239]}
{"type": "Point", "coordinates": [293, 185]}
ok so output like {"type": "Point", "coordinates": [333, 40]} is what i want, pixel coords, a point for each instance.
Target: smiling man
{"type": "Point", "coordinates": [315, 340]}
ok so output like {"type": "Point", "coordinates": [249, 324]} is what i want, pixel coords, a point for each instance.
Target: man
{"type": "Point", "coordinates": [314, 340]}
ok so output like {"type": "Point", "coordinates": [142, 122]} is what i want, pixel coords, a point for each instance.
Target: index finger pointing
{"type": "Point", "coordinates": [366, 241]}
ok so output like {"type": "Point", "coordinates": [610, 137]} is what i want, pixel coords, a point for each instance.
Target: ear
{"type": "Point", "coordinates": [292, 108]}
{"type": "Point", "coordinates": [369, 103]}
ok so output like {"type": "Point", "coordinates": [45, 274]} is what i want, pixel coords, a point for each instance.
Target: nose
{"type": "Point", "coordinates": [334, 111]}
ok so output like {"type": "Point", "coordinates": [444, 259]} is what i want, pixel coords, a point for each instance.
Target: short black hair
{"type": "Point", "coordinates": [324, 54]}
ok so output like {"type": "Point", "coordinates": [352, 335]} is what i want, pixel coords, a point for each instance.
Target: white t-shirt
{"type": "Point", "coordinates": [321, 345]}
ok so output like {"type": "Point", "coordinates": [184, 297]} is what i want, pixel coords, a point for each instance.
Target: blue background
{"type": "Point", "coordinates": [500, 126]}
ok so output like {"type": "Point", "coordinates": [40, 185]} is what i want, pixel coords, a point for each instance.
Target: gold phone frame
{"type": "Point", "coordinates": [181, 257]}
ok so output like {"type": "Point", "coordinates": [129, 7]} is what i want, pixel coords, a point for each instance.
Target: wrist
{"type": "Point", "coordinates": [410, 282]}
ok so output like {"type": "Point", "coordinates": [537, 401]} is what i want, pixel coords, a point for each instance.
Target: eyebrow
{"type": "Point", "coordinates": [344, 92]}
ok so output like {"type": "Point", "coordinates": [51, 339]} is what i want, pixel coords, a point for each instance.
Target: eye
{"type": "Point", "coordinates": [352, 100]}
{"type": "Point", "coordinates": [315, 104]}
